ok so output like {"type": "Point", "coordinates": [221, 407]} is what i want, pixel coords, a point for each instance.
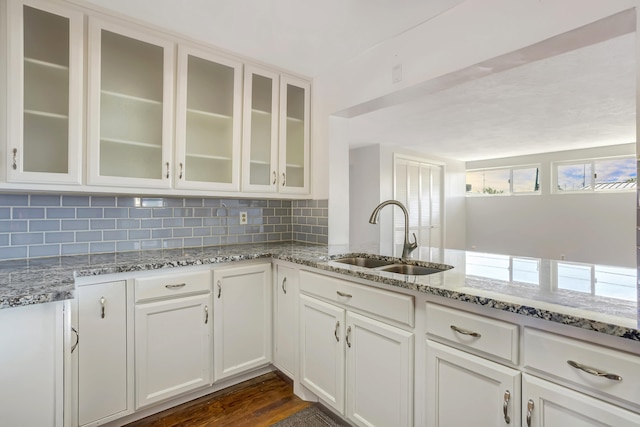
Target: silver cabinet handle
{"type": "Point", "coordinates": [181, 169]}
{"type": "Point", "coordinates": [275, 177]}
{"type": "Point", "coordinates": [284, 179]}
{"type": "Point", "coordinates": [505, 406]}
{"type": "Point", "coordinates": [284, 285]}
{"type": "Point", "coordinates": [465, 331]}
{"type": "Point", "coordinates": [529, 412]}
{"type": "Point", "coordinates": [176, 286]}
{"type": "Point", "coordinates": [206, 314]}
{"type": "Point", "coordinates": [335, 332]}
{"type": "Point", "coordinates": [15, 159]}
{"type": "Point", "coordinates": [167, 170]}
{"type": "Point", "coordinates": [347, 336]}
{"type": "Point", "coordinates": [102, 301]}
{"type": "Point", "coordinates": [342, 294]}
{"type": "Point", "coordinates": [75, 331]}
{"type": "Point", "coordinates": [594, 371]}
{"type": "Point", "coordinates": [219, 288]}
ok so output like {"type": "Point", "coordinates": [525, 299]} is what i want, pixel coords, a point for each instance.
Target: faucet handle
{"type": "Point", "coordinates": [415, 241]}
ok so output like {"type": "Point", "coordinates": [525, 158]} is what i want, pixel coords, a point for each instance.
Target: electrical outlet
{"type": "Point", "coordinates": [243, 217]}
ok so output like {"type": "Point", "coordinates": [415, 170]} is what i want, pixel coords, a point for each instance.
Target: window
{"type": "Point", "coordinates": [609, 174]}
{"type": "Point", "coordinates": [504, 181]}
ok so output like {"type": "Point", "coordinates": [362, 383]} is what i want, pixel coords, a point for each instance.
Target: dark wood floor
{"type": "Point", "coordinates": [261, 401]}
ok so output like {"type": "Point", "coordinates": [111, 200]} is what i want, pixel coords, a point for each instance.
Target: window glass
{"type": "Point", "coordinates": [574, 177]}
{"type": "Point", "coordinates": [615, 174]}
{"type": "Point", "coordinates": [526, 270]}
{"type": "Point", "coordinates": [574, 277]}
{"type": "Point", "coordinates": [494, 181]}
{"type": "Point", "coordinates": [526, 180]}
{"type": "Point", "coordinates": [491, 266]}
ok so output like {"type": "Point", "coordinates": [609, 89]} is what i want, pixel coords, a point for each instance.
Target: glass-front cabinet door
{"type": "Point", "coordinates": [130, 113]}
{"type": "Point", "coordinates": [294, 136]}
{"type": "Point", "coordinates": [260, 130]}
{"type": "Point", "coordinates": [44, 125]}
{"type": "Point", "coordinates": [208, 121]}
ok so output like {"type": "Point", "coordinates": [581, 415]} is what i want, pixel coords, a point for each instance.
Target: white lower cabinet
{"type": "Point", "coordinates": [102, 353]}
{"type": "Point", "coordinates": [285, 291]}
{"type": "Point", "coordinates": [172, 336]}
{"type": "Point", "coordinates": [347, 358]}
{"type": "Point", "coordinates": [242, 307]}
{"type": "Point", "coordinates": [551, 405]}
{"type": "Point", "coordinates": [464, 389]}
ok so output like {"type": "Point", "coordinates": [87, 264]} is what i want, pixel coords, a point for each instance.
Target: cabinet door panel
{"type": "Point", "coordinates": [551, 405]}
{"type": "Point", "coordinates": [463, 389]}
{"type": "Point", "coordinates": [208, 121]}
{"type": "Point", "coordinates": [45, 95]}
{"type": "Point", "coordinates": [242, 319]}
{"type": "Point", "coordinates": [294, 136]}
{"type": "Point", "coordinates": [102, 351]}
{"type": "Point", "coordinates": [130, 106]}
{"type": "Point", "coordinates": [322, 364]}
{"type": "Point", "coordinates": [379, 373]}
{"type": "Point", "coordinates": [285, 289]}
{"type": "Point", "coordinates": [173, 347]}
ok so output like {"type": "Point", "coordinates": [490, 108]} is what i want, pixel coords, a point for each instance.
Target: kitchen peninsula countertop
{"type": "Point", "coordinates": [41, 280]}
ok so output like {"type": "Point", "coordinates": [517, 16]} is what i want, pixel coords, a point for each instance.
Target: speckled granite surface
{"type": "Point", "coordinates": [51, 279]}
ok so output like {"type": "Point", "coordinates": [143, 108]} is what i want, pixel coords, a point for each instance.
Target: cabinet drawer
{"type": "Point", "coordinates": [549, 354]}
{"type": "Point", "coordinates": [494, 337]}
{"type": "Point", "coordinates": [172, 284]}
{"type": "Point", "coordinates": [378, 302]}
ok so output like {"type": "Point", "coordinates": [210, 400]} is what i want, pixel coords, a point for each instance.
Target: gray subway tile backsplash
{"type": "Point", "coordinates": [43, 225]}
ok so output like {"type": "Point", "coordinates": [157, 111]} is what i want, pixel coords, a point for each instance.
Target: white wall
{"type": "Point", "coordinates": [470, 33]}
{"type": "Point", "coordinates": [593, 228]}
{"type": "Point", "coordinates": [371, 181]}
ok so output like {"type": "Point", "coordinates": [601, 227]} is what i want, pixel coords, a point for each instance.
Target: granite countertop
{"type": "Point", "coordinates": [598, 308]}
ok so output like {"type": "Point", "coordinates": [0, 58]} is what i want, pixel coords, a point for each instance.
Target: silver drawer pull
{"type": "Point", "coordinates": [465, 332]}
{"type": "Point", "coordinates": [284, 285]}
{"type": "Point", "coordinates": [75, 331]}
{"type": "Point", "coordinates": [176, 286]}
{"type": "Point", "coordinates": [206, 314]}
{"type": "Point", "coordinates": [219, 288]}
{"type": "Point", "coordinates": [594, 371]}
{"type": "Point", "coordinates": [102, 301]}
{"type": "Point", "coordinates": [335, 332]}
{"type": "Point", "coordinates": [347, 336]}
{"type": "Point", "coordinates": [529, 412]}
{"type": "Point", "coordinates": [505, 406]}
{"type": "Point", "coordinates": [342, 294]}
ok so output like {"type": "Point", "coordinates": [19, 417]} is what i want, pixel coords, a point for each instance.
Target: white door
{"type": "Point", "coordinates": [102, 351]}
{"type": "Point", "coordinates": [129, 106]}
{"type": "Point", "coordinates": [173, 347]}
{"type": "Point", "coordinates": [465, 390]}
{"type": "Point", "coordinates": [260, 130]}
{"type": "Point", "coordinates": [242, 319]}
{"type": "Point", "coordinates": [294, 136]}
{"type": "Point", "coordinates": [322, 344]}
{"type": "Point", "coordinates": [379, 382]}
{"type": "Point", "coordinates": [45, 68]}
{"type": "Point", "coordinates": [285, 290]}
{"type": "Point", "coordinates": [208, 121]}
{"type": "Point", "coordinates": [545, 404]}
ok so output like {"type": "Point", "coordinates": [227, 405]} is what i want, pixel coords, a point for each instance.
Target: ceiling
{"type": "Point", "coordinates": [579, 99]}
{"type": "Point", "coordinates": [302, 36]}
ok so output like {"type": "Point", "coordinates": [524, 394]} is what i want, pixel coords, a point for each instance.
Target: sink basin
{"type": "Point", "coordinates": [414, 270]}
{"type": "Point", "coordinates": [364, 262]}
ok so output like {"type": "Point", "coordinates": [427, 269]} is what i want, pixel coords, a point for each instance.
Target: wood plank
{"type": "Point", "coordinates": [261, 401]}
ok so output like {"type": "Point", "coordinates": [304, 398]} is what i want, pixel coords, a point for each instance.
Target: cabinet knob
{"type": "Point", "coordinates": [529, 412]}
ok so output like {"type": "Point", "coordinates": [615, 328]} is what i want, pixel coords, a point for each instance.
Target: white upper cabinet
{"type": "Point", "coordinates": [260, 130]}
{"type": "Point", "coordinates": [294, 135]}
{"type": "Point", "coordinates": [208, 121]}
{"type": "Point", "coordinates": [130, 106]}
{"type": "Point", "coordinates": [45, 83]}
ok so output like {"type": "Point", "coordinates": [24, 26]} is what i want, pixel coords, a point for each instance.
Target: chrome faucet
{"type": "Point", "coordinates": [407, 247]}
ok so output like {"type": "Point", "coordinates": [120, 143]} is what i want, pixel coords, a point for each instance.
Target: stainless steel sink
{"type": "Point", "coordinates": [414, 270]}
{"type": "Point", "coordinates": [364, 262]}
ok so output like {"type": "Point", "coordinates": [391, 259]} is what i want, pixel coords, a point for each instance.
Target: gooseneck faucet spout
{"type": "Point", "coordinates": [408, 247]}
